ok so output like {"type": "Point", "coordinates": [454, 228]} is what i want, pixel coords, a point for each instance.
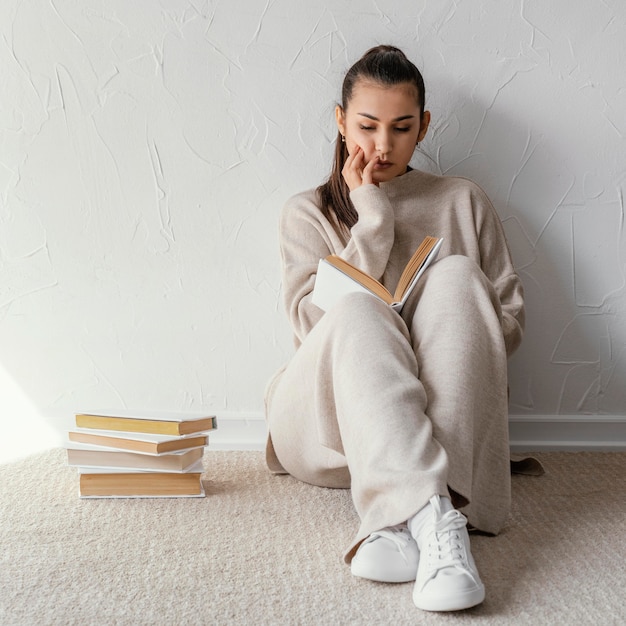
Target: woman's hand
{"type": "Point", "coordinates": [356, 172]}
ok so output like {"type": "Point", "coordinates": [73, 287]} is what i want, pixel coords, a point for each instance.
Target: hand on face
{"type": "Point", "coordinates": [381, 127]}
{"type": "Point", "coordinates": [356, 171]}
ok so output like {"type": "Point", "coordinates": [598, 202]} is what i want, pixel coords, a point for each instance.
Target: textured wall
{"type": "Point", "coordinates": [146, 149]}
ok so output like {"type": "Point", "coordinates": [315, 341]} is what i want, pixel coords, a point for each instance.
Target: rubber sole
{"type": "Point", "coordinates": [458, 602]}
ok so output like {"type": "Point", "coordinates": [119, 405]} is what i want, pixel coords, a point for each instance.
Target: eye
{"type": "Point", "coordinates": [403, 129]}
{"type": "Point", "coordinates": [363, 127]}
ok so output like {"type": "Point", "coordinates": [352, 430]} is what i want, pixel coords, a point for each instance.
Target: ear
{"type": "Point", "coordinates": [424, 126]}
{"type": "Point", "coordinates": [340, 117]}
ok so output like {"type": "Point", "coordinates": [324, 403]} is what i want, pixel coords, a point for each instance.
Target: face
{"type": "Point", "coordinates": [385, 122]}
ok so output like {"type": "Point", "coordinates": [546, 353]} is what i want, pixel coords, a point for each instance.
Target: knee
{"type": "Point", "coordinates": [362, 316]}
{"type": "Point", "coordinates": [457, 283]}
{"type": "Point", "coordinates": [361, 306]}
{"type": "Point", "coordinates": [456, 273]}
{"type": "Point", "coordinates": [456, 265]}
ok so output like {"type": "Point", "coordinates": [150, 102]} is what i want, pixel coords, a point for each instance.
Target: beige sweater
{"type": "Point", "coordinates": [393, 220]}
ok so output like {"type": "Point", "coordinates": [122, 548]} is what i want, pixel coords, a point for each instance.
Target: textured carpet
{"type": "Point", "coordinates": [262, 549]}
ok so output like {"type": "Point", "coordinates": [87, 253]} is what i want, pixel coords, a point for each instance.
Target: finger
{"type": "Point", "coordinates": [354, 165]}
{"type": "Point", "coordinates": [368, 171]}
{"type": "Point", "coordinates": [348, 163]}
{"type": "Point", "coordinates": [353, 178]}
{"type": "Point", "coordinates": [355, 160]}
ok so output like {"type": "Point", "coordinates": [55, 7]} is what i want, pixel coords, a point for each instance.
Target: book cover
{"type": "Point", "coordinates": [200, 494]}
{"type": "Point", "coordinates": [164, 423]}
{"type": "Point", "coordinates": [116, 472]}
{"type": "Point", "coordinates": [84, 455]}
{"type": "Point", "coordinates": [138, 442]}
{"type": "Point", "coordinates": [112, 483]}
{"type": "Point", "coordinates": [336, 278]}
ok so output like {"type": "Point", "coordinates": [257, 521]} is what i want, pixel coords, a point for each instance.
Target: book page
{"type": "Point", "coordinates": [331, 284]}
{"type": "Point", "coordinates": [425, 264]}
{"type": "Point", "coordinates": [414, 264]}
{"type": "Point", "coordinates": [336, 278]}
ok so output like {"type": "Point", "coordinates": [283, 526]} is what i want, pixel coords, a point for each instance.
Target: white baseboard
{"type": "Point", "coordinates": [239, 431]}
{"type": "Point", "coordinates": [528, 433]}
{"type": "Point", "coordinates": [598, 433]}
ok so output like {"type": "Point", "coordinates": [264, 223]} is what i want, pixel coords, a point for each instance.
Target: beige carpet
{"type": "Point", "coordinates": [261, 549]}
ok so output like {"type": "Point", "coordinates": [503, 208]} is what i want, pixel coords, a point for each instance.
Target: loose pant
{"type": "Point", "coordinates": [401, 407]}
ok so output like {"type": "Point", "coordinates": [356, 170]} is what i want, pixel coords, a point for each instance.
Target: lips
{"type": "Point", "coordinates": [383, 165]}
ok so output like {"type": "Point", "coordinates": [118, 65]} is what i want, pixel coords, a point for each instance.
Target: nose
{"type": "Point", "coordinates": [383, 143]}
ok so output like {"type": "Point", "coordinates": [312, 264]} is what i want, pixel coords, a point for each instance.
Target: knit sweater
{"type": "Point", "coordinates": [393, 219]}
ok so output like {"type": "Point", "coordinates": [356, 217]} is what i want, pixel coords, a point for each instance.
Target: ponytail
{"type": "Point", "coordinates": [334, 195]}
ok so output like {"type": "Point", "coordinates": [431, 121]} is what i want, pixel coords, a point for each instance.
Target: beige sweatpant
{"type": "Point", "coordinates": [400, 408]}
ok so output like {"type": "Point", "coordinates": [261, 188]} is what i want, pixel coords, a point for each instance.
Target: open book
{"type": "Point", "coordinates": [336, 277]}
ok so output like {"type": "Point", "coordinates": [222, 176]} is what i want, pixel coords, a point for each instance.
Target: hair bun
{"type": "Point", "coordinates": [384, 49]}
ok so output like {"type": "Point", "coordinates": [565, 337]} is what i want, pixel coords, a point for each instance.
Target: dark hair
{"type": "Point", "coordinates": [384, 65]}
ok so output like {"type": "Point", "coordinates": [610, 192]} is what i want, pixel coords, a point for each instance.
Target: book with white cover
{"type": "Point", "coordinates": [84, 455]}
{"type": "Point", "coordinates": [138, 442]}
{"type": "Point", "coordinates": [337, 278]}
{"type": "Point", "coordinates": [118, 483]}
{"type": "Point", "coordinates": [201, 494]}
{"type": "Point", "coordinates": [196, 467]}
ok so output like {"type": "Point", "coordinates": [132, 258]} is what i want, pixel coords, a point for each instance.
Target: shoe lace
{"type": "Point", "coordinates": [445, 546]}
{"type": "Point", "coordinates": [398, 535]}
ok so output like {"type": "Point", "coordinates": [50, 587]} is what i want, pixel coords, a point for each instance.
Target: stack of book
{"type": "Point", "coordinates": [133, 455]}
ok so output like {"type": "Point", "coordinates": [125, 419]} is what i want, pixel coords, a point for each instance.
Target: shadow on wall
{"type": "Point", "coordinates": [561, 231]}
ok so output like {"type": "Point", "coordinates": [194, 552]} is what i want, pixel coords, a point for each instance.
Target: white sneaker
{"type": "Point", "coordinates": [447, 578]}
{"type": "Point", "coordinates": [389, 555]}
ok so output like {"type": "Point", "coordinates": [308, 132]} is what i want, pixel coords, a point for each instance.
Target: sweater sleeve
{"type": "Point", "coordinates": [306, 236]}
{"type": "Point", "coordinates": [498, 266]}
{"type": "Point", "coordinates": [511, 293]}
{"type": "Point", "coordinates": [373, 235]}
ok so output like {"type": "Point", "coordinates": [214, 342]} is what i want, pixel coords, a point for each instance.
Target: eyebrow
{"type": "Point", "coordinates": [398, 119]}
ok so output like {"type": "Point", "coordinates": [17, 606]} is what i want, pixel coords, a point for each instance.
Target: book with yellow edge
{"type": "Point", "coordinates": [108, 483]}
{"type": "Point", "coordinates": [155, 423]}
{"type": "Point", "coordinates": [146, 443]}
{"type": "Point", "coordinates": [337, 277]}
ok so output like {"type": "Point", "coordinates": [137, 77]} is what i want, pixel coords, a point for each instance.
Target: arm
{"type": "Point", "coordinates": [498, 266]}
{"type": "Point", "coordinates": [372, 236]}
{"type": "Point", "coordinates": [511, 293]}
{"type": "Point", "coordinates": [306, 237]}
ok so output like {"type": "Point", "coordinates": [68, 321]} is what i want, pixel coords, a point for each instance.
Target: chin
{"type": "Point", "coordinates": [383, 177]}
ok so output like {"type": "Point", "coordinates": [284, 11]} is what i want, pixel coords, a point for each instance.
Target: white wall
{"type": "Point", "coordinates": [146, 149]}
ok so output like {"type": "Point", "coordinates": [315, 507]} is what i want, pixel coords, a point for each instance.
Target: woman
{"type": "Point", "coordinates": [410, 409]}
